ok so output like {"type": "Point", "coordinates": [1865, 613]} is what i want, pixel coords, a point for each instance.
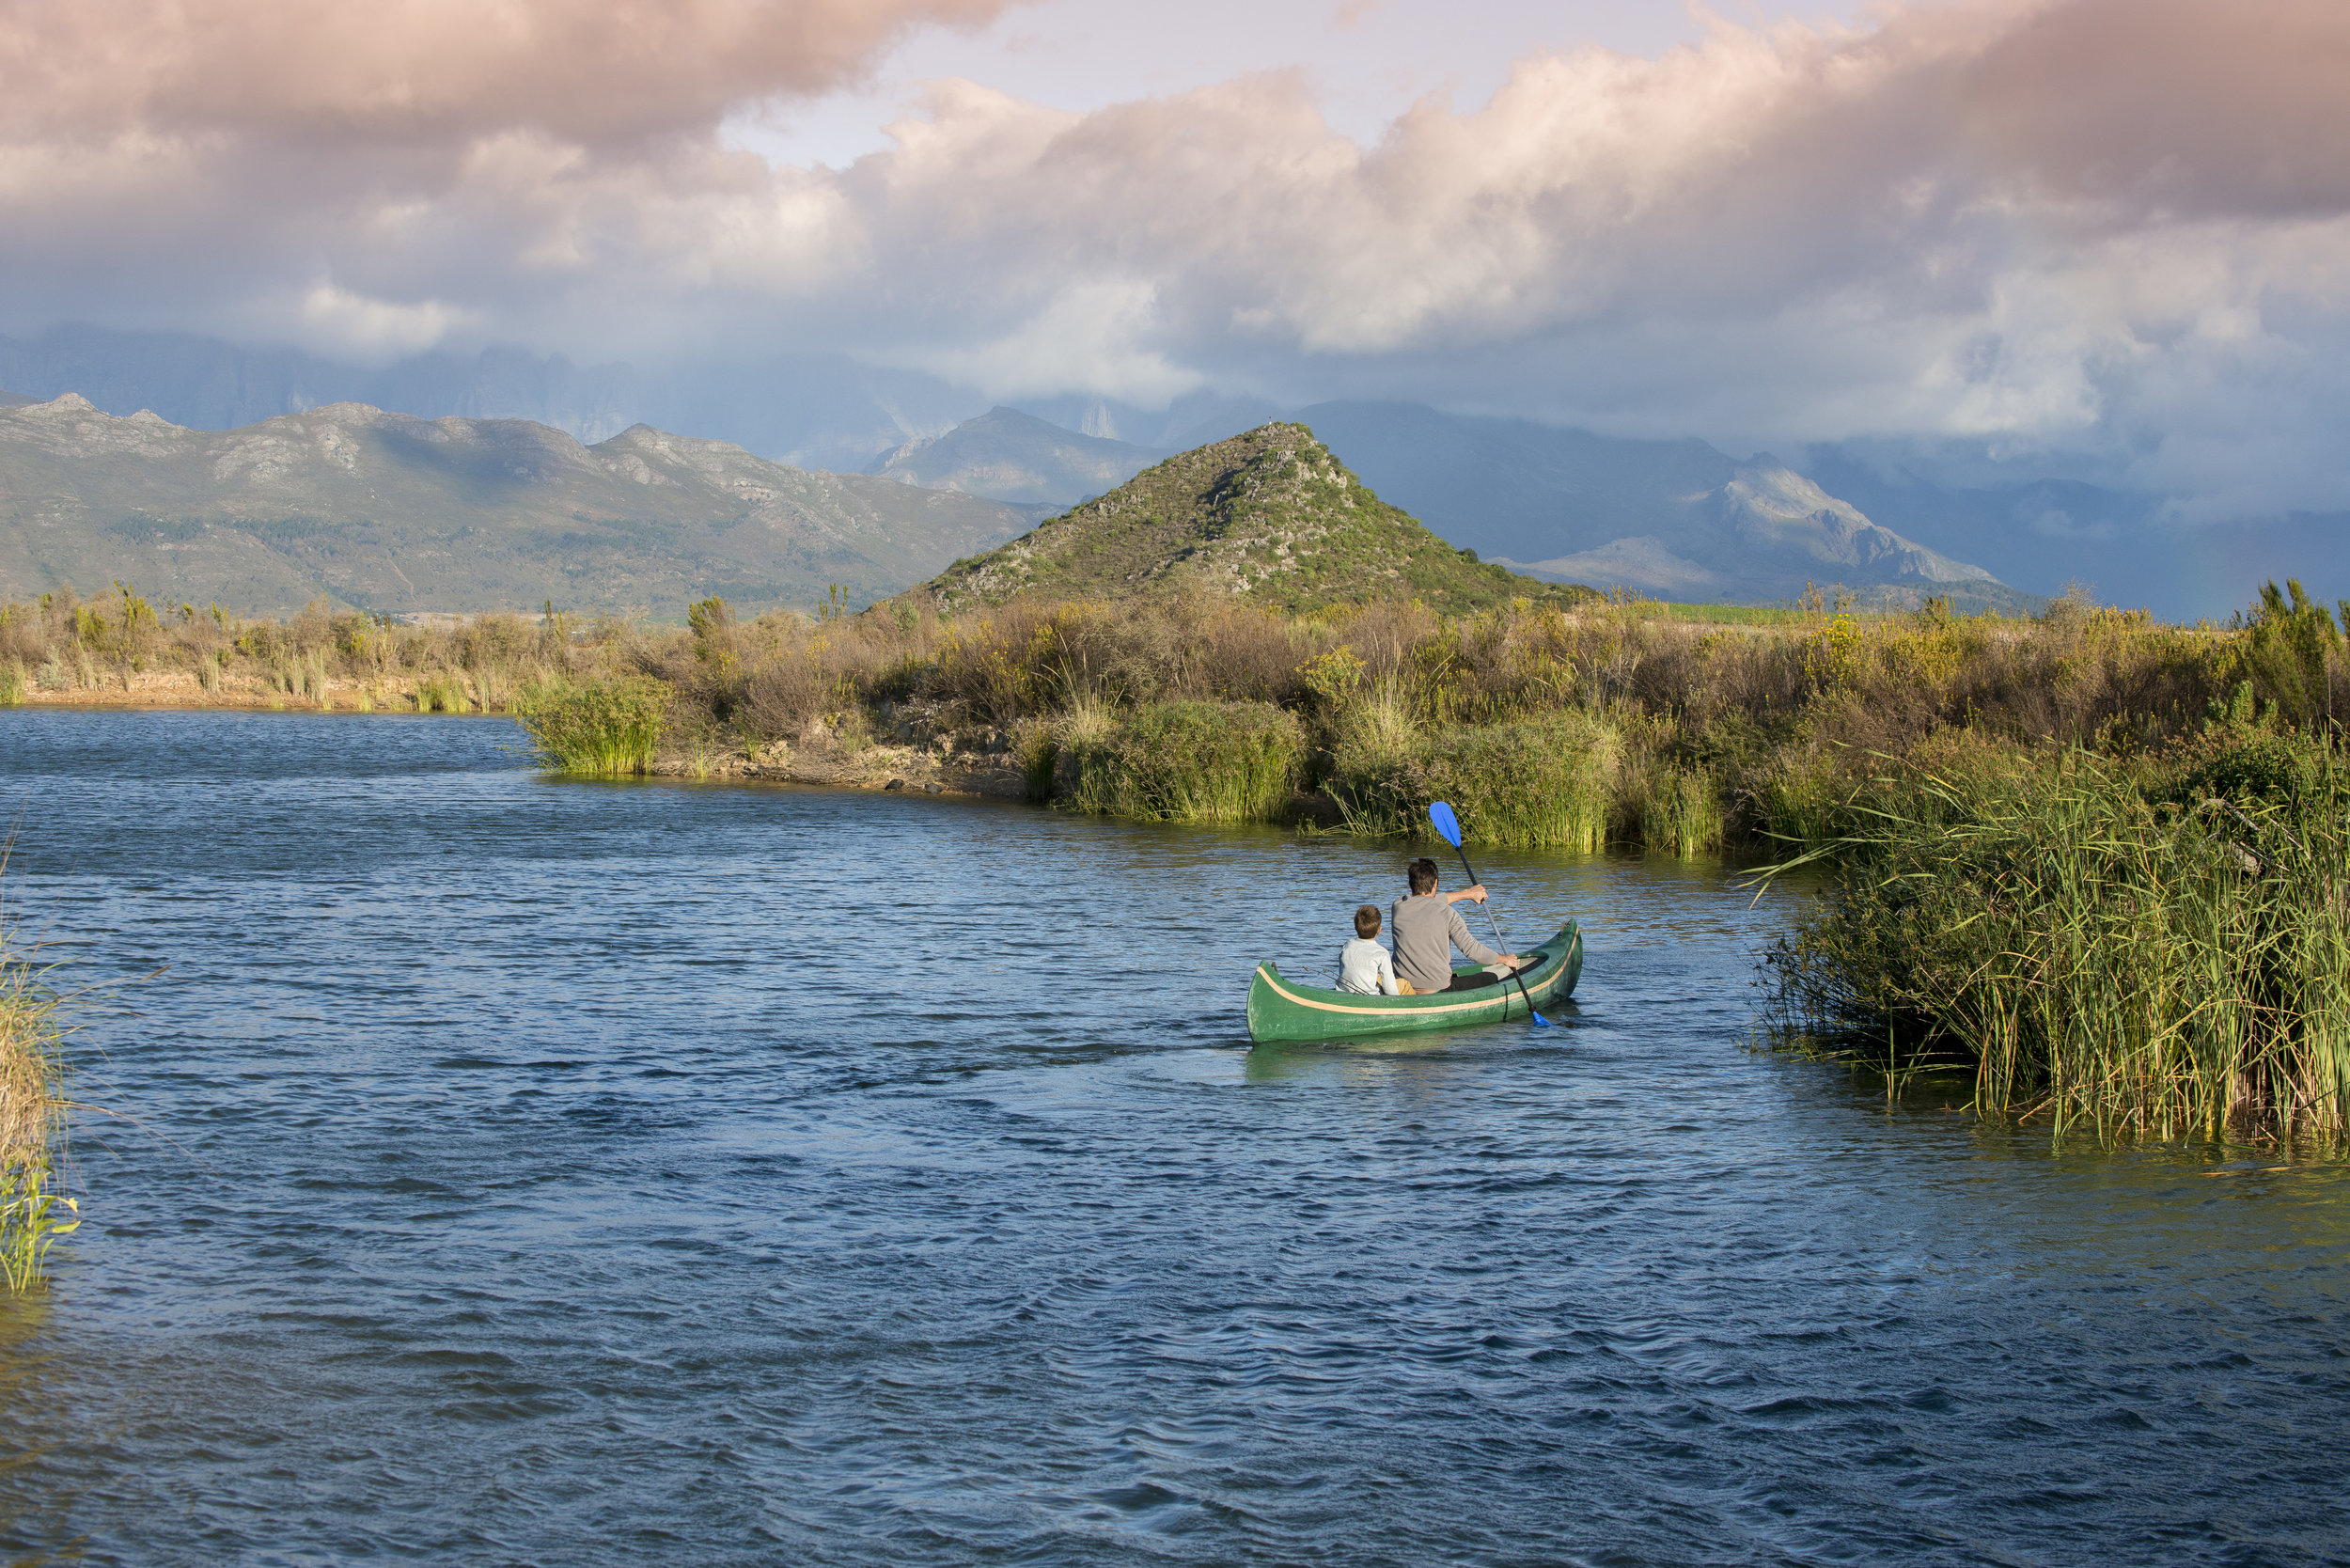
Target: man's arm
{"type": "Point", "coordinates": [1476, 952]}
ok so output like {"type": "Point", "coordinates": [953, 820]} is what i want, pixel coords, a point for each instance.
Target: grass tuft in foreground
{"type": "Point", "coordinates": [597, 728]}
{"type": "Point", "coordinates": [31, 1125]}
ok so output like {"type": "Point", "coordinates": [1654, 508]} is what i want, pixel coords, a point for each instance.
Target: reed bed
{"type": "Point", "coordinates": [2156, 949]}
{"type": "Point", "coordinates": [32, 1124]}
{"type": "Point", "coordinates": [1677, 729]}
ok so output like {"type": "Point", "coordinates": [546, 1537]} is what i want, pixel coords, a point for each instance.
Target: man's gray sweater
{"type": "Point", "coordinates": [1427, 929]}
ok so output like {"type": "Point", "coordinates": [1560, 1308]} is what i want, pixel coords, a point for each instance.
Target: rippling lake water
{"type": "Point", "coordinates": [596, 1174]}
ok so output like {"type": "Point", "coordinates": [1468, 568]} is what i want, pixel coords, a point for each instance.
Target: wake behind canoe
{"type": "Point", "coordinates": [1281, 1009]}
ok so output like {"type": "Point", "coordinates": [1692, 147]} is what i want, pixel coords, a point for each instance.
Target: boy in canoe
{"type": "Point", "coordinates": [1363, 967]}
{"type": "Point", "coordinates": [1428, 927]}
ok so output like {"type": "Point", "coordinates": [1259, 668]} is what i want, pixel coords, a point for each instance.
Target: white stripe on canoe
{"type": "Point", "coordinates": [1380, 1012]}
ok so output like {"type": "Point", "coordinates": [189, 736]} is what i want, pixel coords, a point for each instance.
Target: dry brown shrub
{"type": "Point", "coordinates": [1240, 653]}
{"type": "Point", "coordinates": [782, 695]}
{"type": "Point", "coordinates": [23, 633]}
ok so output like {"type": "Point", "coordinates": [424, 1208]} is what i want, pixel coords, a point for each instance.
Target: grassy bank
{"type": "Point", "coordinates": [32, 1124]}
{"type": "Point", "coordinates": [1661, 727]}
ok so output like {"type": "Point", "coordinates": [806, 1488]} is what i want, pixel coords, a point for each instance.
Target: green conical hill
{"type": "Point", "coordinates": [1268, 516]}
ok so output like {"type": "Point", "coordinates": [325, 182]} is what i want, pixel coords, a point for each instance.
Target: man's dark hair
{"type": "Point", "coordinates": [1366, 921]}
{"type": "Point", "coordinates": [1423, 874]}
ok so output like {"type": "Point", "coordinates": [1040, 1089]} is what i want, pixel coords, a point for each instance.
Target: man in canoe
{"type": "Point", "coordinates": [1428, 927]}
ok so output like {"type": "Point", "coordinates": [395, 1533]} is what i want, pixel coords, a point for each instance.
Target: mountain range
{"type": "Point", "coordinates": [2035, 523]}
{"type": "Point", "coordinates": [391, 513]}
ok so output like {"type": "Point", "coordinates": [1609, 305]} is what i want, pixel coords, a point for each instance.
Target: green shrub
{"type": "Point", "coordinates": [2248, 769]}
{"type": "Point", "coordinates": [1546, 781]}
{"type": "Point", "coordinates": [12, 684]}
{"type": "Point", "coordinates": [597, 727]}
{"type": "Point", "coordinates": [1189, 762]}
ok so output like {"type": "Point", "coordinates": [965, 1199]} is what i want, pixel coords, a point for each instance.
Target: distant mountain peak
{"type": "Point", "coordinates": [1773, 508]}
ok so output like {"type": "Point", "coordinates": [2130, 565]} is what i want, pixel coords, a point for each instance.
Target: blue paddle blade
{"type": "Point", "coordinates": [1447, 826]}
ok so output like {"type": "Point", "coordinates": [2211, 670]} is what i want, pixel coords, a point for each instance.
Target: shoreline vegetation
{"type": "Point", "coordinates": [2095, 860]}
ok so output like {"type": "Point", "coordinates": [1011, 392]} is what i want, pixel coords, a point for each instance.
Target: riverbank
{"type": "Point", "coordinates": [1676, 729]}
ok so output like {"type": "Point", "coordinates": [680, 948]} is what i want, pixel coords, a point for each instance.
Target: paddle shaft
{"type": "Point", "coordinates": [1495, 922]}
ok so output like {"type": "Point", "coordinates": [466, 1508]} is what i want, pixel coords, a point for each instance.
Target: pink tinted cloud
{"type": "Point", "coordinates": [346, 70]}
{"type": "Point", "coordinates": [2169, 105]}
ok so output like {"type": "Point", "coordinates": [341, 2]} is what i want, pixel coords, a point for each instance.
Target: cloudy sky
{"type": "Point", "coordinates": [2113, 229]}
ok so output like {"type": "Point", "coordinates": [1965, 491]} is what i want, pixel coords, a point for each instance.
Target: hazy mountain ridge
{"type": "Point", "coordinates": [1010, 456]}
{"type": "Point", "coordinates": [1678, 519]}
{"type": "Point", "coordinates": [1270, 516]}
{"type": "Point", "coordinates": [389, 512]}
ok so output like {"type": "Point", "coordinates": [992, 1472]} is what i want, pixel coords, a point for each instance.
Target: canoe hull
{"type": "Point", "coordinates": [1281, 1009]}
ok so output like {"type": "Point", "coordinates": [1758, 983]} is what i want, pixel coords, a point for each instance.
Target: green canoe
{"type": "Point", "coordinates": [1283, 1010]}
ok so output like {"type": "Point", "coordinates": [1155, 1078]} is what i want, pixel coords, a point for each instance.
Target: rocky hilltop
{"type": "Point", "coordinates": [386, 512]}
{"type": "Point", "coordinates": [1269, 514]}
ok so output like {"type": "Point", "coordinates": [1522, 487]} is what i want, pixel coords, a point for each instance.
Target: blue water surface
{"type": "Point", "coordinates": [509, 1170]}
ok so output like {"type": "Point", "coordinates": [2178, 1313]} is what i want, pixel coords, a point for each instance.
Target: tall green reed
{"type": "Point", "coordinates": [1675, 809]}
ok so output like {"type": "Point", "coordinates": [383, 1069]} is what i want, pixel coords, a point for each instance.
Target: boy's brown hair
{"type": "Point", "coordinates": [1366, 921]}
